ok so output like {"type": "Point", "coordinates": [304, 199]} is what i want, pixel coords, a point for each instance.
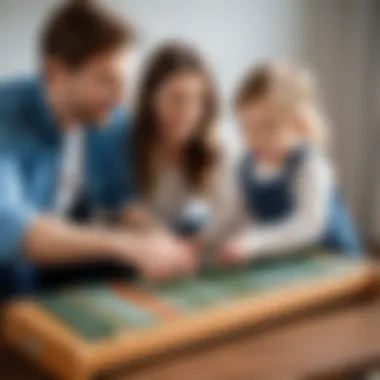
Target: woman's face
{"type": "Point", "coordinates": [179, 105]}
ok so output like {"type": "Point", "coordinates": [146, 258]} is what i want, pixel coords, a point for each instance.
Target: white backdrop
{"type": "Point", "coordinates": [341, 46]}
{"type": "Point", "coordinates": [232, 33]}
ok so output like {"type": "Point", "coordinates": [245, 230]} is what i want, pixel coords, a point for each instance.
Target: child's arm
{"type": "Point", "coordinates": [313, 188]}
{"type": "Point", "coordinates": [226, 210]}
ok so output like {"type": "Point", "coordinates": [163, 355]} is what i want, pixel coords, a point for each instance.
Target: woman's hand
{"type": "Point", "coordinates": [138, 218]}
{"type": "Point", "coordinates": [156, 254]}
{"type": "Point", "coordinates": [234, 252]}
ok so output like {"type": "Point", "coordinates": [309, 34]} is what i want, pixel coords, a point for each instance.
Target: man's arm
{"type": "Point", "coordinates": [49, 240]}
{"type": "Point", "coordinates": [41, 238]}
{"type": "Point", "coordinates": [45, 239]}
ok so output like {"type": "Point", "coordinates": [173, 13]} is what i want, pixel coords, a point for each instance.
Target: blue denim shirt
{"type": "Point", "coordinates": [30, 155]}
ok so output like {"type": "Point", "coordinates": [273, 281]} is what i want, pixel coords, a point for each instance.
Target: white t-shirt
{"type": "Point", "coordinates": [172, 199]}
{"type": "Point", "coordinates": [71, 176]}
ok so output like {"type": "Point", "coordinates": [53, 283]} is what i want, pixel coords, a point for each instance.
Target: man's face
{"type": "Point", "coordinates": [93, 90]}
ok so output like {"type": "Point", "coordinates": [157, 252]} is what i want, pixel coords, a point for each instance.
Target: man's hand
{"type": "Point", "coordinates": [156, 254]}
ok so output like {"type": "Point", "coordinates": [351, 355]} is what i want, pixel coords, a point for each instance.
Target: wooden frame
{"type": "Point", "coordinates": [66, 355]}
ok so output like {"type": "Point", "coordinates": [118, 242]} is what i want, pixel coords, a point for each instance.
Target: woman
{"type": "Point", "coordinates": [175, 151]}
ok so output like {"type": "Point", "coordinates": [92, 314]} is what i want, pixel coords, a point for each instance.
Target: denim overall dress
{"type": "Point", "coordinates": [272, 201]}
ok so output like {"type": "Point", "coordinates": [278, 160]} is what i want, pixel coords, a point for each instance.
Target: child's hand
{"type": "Point", "coordinates": [233, 253]}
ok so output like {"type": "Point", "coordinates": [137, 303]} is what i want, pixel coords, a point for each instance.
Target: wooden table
{"type": "Point", "coordinates": [333, 341]}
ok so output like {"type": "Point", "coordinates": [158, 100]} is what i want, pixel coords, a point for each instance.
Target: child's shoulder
{"type": "Point", "coordinates": [315, 162]}
{"type": "Point", "coordinates": [315, 156]}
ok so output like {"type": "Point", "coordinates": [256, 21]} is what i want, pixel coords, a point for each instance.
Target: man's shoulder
{"type": "Point", "coordinates": [16, 91]}
{"type": "Point", "coordinates": [119, 126]}
{"type": "Point", "coordinates": [16, 98]}
{"type": "Point", "coordinates": [121, 119]}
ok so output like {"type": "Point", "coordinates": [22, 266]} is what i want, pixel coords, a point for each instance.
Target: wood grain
{"type": "Point", "coordinates": [45, 340]}
{"type": "Point", "coordinates": [313, 348]}
{"type": "Point", "coordinates": [298, 350]}
{"type": "Point", "coordinates": [233, 315]}
{"type": "Point", "coordinates": [64, 354]}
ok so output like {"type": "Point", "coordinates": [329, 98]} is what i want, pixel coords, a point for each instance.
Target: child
{"type": "Point", "coordinates": [285, 178]}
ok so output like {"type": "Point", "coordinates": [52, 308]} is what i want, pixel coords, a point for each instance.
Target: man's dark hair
{"type": "Point", "coordinates": [81, 29]}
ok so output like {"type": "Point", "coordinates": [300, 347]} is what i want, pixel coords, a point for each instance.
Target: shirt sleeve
{"type": "Point", "coordinates": [16, 213]}
{"type": "Point", "coordinates": [226, 207]}
{"type": "Point", "coordinates": [121, 183]}
{"type": "Point", "coordinates": [313, 187]}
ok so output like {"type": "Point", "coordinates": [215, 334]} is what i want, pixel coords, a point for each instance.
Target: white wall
{"type": "Point", "coordinates": [232, 34]}
{"type": "Point", "coordinates": [374, 119]}
{"type": "Point", "coordinates": [330, 35]}
{"type": "Point", "coordinates": [340, 47]}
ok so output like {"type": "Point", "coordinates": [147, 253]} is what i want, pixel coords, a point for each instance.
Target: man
{"type": "Point", "coordinates": [63, 137]}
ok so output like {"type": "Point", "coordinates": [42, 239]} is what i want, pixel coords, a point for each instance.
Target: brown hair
{"type": "Point", "coordinates": [290, 86]}
{"type": "Point", "coordinates": [80, 29]}
{"type": "Point", "coordinates": [200, 153]}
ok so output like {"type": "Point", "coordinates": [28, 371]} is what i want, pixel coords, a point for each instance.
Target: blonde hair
{"type": "Point", "coordinates": [292, 87]}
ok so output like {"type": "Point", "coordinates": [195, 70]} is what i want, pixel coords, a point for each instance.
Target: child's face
{"type": "Point", "coordinates": [267, 129]}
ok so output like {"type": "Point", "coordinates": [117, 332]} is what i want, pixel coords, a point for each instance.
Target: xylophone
{"type": "Point", "coordinates": [81, 332]}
